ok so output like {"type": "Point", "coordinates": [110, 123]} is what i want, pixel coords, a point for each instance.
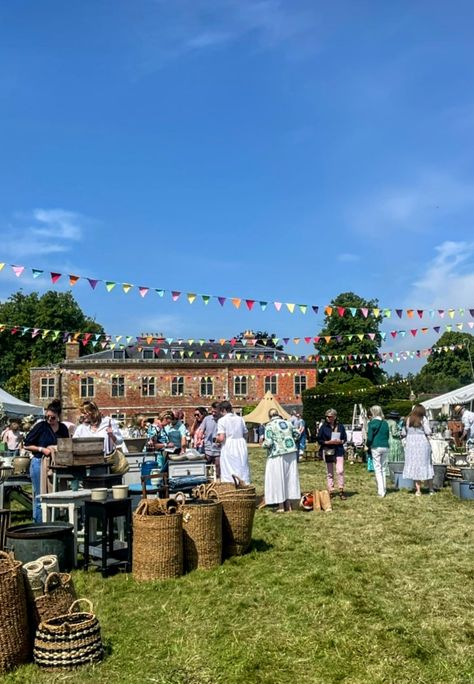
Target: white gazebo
{"type": "Point", "coordinates": [463, 396]}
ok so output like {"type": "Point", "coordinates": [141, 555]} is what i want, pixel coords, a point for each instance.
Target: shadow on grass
{"type": "Point", "coordinates": [260, 546]}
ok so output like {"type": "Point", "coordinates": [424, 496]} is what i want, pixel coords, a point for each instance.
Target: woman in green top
{"type": "Point", "coordinates": [397, 452]}
{"type": "Point", "coordinates": [378, 443]}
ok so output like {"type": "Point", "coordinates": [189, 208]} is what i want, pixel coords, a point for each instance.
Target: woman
{"type": "Point", "coordinates": [378, 443]}
{"type": "Point", "coordinates": [97, 425]}
{"type": "Point", "coordinates": [175, 431]}
{"type": "Point", "coordinates": [331, 438]}
{"type": "Point", "coordinates": [396, 451]}
{"type": "Point", "coordinates": [282, 481]}
{"type": "Point", "coordinates": [195, 431]}
{"type": "Point", "coordinates": [41, 441]}
{"type": "Point", "coordinates": [231, 434]}
{"type": "Point", "coordinates": [418, 466]}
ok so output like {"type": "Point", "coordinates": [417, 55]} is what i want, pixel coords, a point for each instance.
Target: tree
{"type": "Point", "coordinates": [448, 369]}
{"type": "Point", "coordinates": [21, 350]}
{"type": "Point", "coordinates": [344, 330]}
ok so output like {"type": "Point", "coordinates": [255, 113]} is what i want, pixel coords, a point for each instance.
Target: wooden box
{"type": "Point", "coordinates": [83, 451]}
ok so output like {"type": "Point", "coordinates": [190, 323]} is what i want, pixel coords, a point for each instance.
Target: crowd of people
{"type": "Point", "coordinates": [220, 435]}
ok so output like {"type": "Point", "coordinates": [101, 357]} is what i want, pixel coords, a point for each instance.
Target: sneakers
{"type": "Point", "coordinates": [342, 496]}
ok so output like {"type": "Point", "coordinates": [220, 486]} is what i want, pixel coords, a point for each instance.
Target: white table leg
{"type": "Point", "coordinates": [1, 494]}
{"type": "Point", "coordinates": [45, 510]}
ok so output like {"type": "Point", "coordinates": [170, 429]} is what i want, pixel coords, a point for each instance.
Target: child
{"type": "Point", "coordinates": [12, 438]}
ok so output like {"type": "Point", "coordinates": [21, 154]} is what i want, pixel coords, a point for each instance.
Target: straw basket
{"type": "Point", "coordinates": [59, 595]}
{"type": "Point", "coordinates": [14, 641]}
{"type": "Point", "coordinates": [36, 577]}
{"type": "Point", "coordinates": [238, 511]}
{"type": "Point", "coordinates": [202, 534]}
{"type": "Point", "coordinates": [69, 641]}
{"type": "Point", "coordinates": [157, 540]}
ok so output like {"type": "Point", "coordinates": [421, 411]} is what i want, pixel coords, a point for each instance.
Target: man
{"type": "Point", "coordinates": [208, 430]}
{"type": "Point", "coordinates": [467, 419]}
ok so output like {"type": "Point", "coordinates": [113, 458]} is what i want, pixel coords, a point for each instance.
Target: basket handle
{"type": "Point", "coordinates": [142, 508]}
{"type": "Point", "coordinates": [180, 498]}
{"type": "Point", "coordinates": [89, 604]}
{"type": "Point", "coordinates": [52, 576]}
{"type": "Point", "coordinates": [5, 555]}
{"type": "Point", "coordinates": [238, 482]}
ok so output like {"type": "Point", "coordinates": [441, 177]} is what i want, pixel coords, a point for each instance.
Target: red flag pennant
{"type": "Point", "coordinates": [55, 277]}
{"type": "Point", "coordinates": [250, 303]}
{"type": "Point", "coordinates": [420, 312]}
{"type": "Point", "coordinates": [341, 311]}
{"type": "Point", "coordinates": [73, 280]}
{"type": "Point", "coordinates": [413, 332]}
{"type": "Point", "coordinates": [175, 295]}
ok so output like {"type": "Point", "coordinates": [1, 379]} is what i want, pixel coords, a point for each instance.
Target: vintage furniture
{"type": "Point", "coordinates": [110, 517]}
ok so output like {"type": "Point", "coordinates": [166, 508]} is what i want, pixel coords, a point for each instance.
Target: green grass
{"type": "Point", "coordinates": [376, 591]}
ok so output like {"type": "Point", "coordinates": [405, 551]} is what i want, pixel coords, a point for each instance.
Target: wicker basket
{"type": "Point", "coordinates": [157, 541]}
{"type": "Point", "coordinates": [69, 641]}
{"type": "Point", "coordinates": [14, 638]}
{"type": "Point", "coordinates": [202, 535]}
{"type": "Point", "coordinates": [225, 490]}
{"type": "Point", "coordinates": [59, 595]}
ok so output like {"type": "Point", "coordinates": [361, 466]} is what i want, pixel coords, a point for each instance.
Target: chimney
{"type": "Point", "coordinates": [72, 351]}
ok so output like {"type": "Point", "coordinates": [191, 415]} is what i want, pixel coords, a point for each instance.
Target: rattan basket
{"type": "Point", "coordinates": [157, 540]}
{"type": "Point", "coordinates": [14, 635]}
{"type": "Point", "coordinates": [59, 595]}
{"type": "Point", "coordinates": [69, 641]}
{"type": "Point", "coordinates": [202, 534]}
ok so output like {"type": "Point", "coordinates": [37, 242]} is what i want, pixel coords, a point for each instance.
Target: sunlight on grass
{"type": "Point", "coordinates": [376, 591]}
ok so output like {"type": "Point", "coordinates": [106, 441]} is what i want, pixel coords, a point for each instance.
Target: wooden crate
{"type": "Point", "coordinates": [83, 451]}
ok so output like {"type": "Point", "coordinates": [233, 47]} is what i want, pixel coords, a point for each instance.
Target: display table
{"type": "Point", "coordinates": [71, 501]}
{"type": "Point", "coordinates": [109, 550]}
{"type": "Point", "coordinates": [5, 472]}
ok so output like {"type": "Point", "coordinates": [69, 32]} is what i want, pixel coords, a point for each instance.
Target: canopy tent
{"type": "Point", "coordinates": [462, 395]}
{"type": "Point", "coordinates": [13, 407]}
{"type": "Point", "coordinates": [260, 413]}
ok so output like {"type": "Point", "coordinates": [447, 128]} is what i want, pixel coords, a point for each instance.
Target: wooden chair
{"type": "Point", "coordinates": [4, 525]}
{"type": "Point", "coordinates": [161, 489]}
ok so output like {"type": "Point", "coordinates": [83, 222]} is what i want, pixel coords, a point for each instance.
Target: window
{"type": "Point", "coordinates": [300, 384]}
{"type": "Point", "coordinates": [148, 353]}
{"type": "Point", "coordinates": [240, 386]}
{"type": "Point", "coordinates": [87, 388]}
{"type": "Point", "coordinates": [48, 386]}
{"type": "Point", "coordinates": [271, 384]}
{"type": "Point", "coordinates": [119, 417]}
{"type": "Point", "coordinates": [148, 387]}
{"type": "Point", "coordinates": [177, 385]}
{"type": "Point", "coordinates": [120, 354]}
{"type": "Point", "coordinates": [207, 387]}
{"type": "Point", "coordinates": [118, 386]}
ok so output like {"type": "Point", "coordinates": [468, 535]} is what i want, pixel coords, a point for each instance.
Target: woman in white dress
{"type": "Point", "coordinates": [96, 425]}
{"type": "Point", "coordinates": [282, 483]}
{"type": "Point", "coordinates": [418, 465]}
{"type": "Point", "coordinates": [231, 434]}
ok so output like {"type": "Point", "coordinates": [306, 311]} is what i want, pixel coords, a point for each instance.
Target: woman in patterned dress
{"type": "Point", "coordinates": [281, 472]}
{"type": "Point", "coordinates": [418, 466]}
{"type": "Point", "coordinates": [396, 451]}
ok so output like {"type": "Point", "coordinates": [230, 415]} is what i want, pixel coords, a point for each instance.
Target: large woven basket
{"type": "Point", "coordinates": [202, 534]}
{"type": "Point", "coordinates": [14, 636]}
{"type": "Point", "coordinates": [69, 641]}
{"type": "Point", "coordinates": [157, 541]}
{"type": "Point", "coordinates": [59, 595]}
{"type": "Point", "coordinates": [225, 490]}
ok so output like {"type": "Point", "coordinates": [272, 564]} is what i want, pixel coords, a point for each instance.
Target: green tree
{"type": "Point", "coordinates": [344, 330]}
{"type": "Point", "coordinates": [447, 370]}
{"type": "Point", "coordinates": [20, 351]}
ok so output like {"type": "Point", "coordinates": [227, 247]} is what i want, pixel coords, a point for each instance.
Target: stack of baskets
{"type": "Point", "coordinates": [238, 510]}
{"type": "Point", "coordinates": [14, 634]}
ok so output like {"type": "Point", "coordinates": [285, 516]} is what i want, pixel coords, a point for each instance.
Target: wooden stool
{"type": "Point", "coordinates": [110, 551]}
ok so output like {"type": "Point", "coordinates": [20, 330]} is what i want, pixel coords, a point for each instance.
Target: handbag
{"type": "Point", "coordinates": [119, 463]}
{"type": "Point", "coordinates": [370, 464]}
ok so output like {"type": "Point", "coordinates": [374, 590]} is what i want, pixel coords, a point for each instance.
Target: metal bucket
{"type": "Point", "coordinates": [34, 540]}
{"type": "Point", "coordinates": [395, 467]}
{"type": "Point", "coordinates": [403, 482]}
{"type": "Point", "coordinates": [439, 476]}
{"type": "Point", "coordinates": [466, 490]}
{"type": "Point", "coordinates": [467, 474]}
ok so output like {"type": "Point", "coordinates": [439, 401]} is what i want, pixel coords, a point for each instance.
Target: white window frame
{"type": "Point", "coordinates": [176, 382]}
{"type": "Point", "coordinates": [301, 379]}
{"type": "Point", "coordinates": [117, 386]}
{"type": "Point", "coordinates": [206, 386]}
{"type": "Point", "coordinates": [239, 380]}
{"type": "Point", "coordinates": [48, 387]}
{"type": "Point", "coordinates": [148, 387]}
{"type": "Point", "coordinates": [271, 384]}
{"type": "Point", "coordinates": [87, 387]}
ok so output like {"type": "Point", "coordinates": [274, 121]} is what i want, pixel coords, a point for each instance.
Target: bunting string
{"type": "Point", "coordinates": [71, 280]}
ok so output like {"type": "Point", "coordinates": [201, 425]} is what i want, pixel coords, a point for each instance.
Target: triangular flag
{"type": "Point", "coordinates": [126, 287]}
{"type": "Point", "coordinates": [303, 308]}
{"type": "Point", "coordinates": [420, 313]}
{"type": "Point", "coordinates": [160, 292]}
{"type": "Point", "coordinates": [250, 303]}
{"type": "Point", "coordinates": [205, 298]}
{"type": "Point", "coordinates": [315, 309]}
{"type": "Point", "coordinates": [190, 296]}
{"type": "Point", "coordinates": [410, 313]}
{"type": "Point", "coordinates": [175, 295]}
{"type": "Point", "coordinates": [92, 283]}
{"type": "Point", "coordinates": [143, 290]}
{"type": "Point", "coordinates": [341, 310]}
{"type": "Point", "coordinates": [328, 310]}
{"type": "Point", "coordinates": [364, 311]}
{"type": "Point", "coordinates": [73, 280]}
{"type": "Point", "coordinates": [55, 277]}
{"type": "Point", "coordinates": [18, 270]}
{"type": "Point", "coordinates": [399, 312]}
{"type": "Point", "coordinates": [221, 300]}
{"type": "Point", "coordinates": [277, 305]}
{"type": "Point", "coordinates": [236, 301]}
{"type": "Point", "coordinates": [36, 272]}
{"type": "Point", "coordinates": [290, 307]}
{"type": "Point", "coordinates": [109, 284]}
{"type": "Point", "coordinates": [263, 305]}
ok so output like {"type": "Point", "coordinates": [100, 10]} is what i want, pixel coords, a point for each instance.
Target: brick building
{"type": "Point", "coordinates": [147, 379]}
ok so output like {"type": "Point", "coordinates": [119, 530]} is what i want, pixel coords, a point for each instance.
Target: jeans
{"type": "Point", "coordinates": [339, 472]}
{"type": "Point", "coordinates": [35, 474]}
{"type": "Point", "coordinates": [379, 457]}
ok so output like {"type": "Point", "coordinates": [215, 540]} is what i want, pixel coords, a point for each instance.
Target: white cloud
{"type": "Point", "coordinates": [431, 200]}
{"type": "Point", "coordinates": [186, 26]}
{"type": "Point", "coordinates": [42, 232]}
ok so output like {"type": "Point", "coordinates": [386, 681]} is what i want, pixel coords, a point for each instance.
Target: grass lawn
{"type": "Point", "coordinates": [376, 591]}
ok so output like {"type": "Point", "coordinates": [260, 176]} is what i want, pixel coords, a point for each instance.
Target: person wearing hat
{"type": "Point", "coordinates": [395, 446]}
{"type": "Point", "coordinates": [467, 419]}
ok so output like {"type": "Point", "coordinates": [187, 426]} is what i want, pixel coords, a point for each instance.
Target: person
{"type": "Point", "coordinates": [12, 438]}
{"type": "Point", "coordinates": [418, 466]}
{"type": "Point", "coordinates": [41, 441]}
{"type": "Point", "coordinates": [208, 430]}
{"type": "Point", "coordinates": [197, 440]}
{"type": "Point", "coordinates": [467, 419]}
{"type": "Point", "coordinates": [331, 438]}
{"type": "Point", "coordinates": [378, 443]}
{"type": "Point", "coordinates": [97, 425]}
{"type": "Point", "coordinates": [301, 442]}
{"type": "Point", "coordinates": [175, 431]}
{"type": "Point", "coordinates": [231, 435]}
{"type": "Point", "coordinates": [282, 483]}
{"type": "Point", "coordinates": [395, 445]}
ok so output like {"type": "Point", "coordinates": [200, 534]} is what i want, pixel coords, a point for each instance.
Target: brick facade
{"type": "Point", "coordinates": [100, 378]}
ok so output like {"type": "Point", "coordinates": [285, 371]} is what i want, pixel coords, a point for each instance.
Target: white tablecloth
{"type": "Point", "coordinates": [438, 448]}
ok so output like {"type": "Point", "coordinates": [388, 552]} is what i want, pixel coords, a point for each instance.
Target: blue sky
{"type": "Point", "coordinates": [273, 150]}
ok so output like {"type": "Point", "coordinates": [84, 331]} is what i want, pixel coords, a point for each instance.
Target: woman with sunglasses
{"type": "Point", "coordinates": [40, 441]}
{"type": "Point", "coordinates": [195, 431]}
{"type": "Point", "coordinates": [94, 424]}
